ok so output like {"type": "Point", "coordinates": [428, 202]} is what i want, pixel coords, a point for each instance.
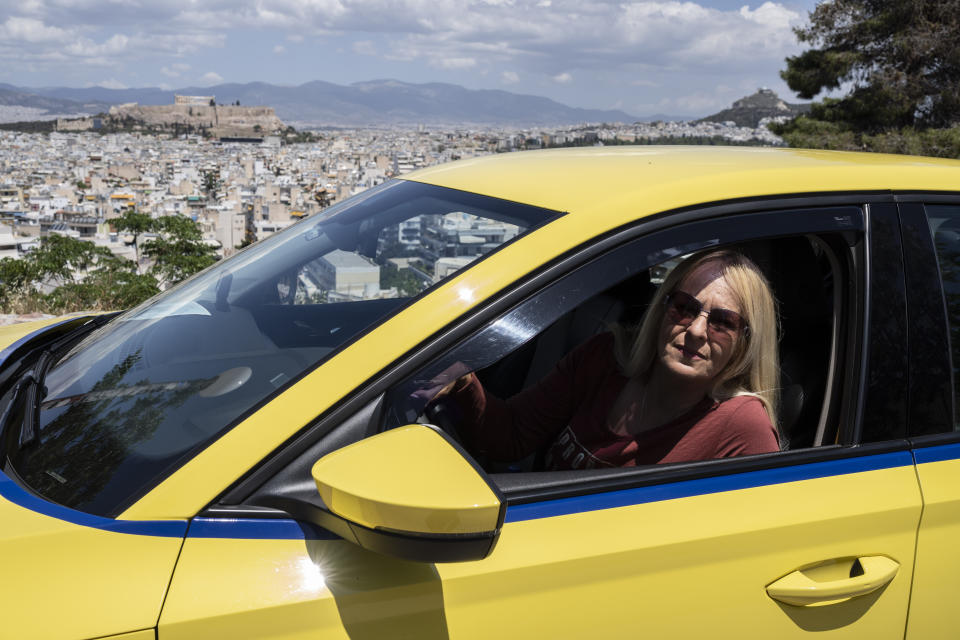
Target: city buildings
{"type": "Point", "coordinates": [238, 192]}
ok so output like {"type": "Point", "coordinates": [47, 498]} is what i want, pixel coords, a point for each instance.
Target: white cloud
{"type": "Point", "coordinates": [455, 63]}
{"type": "Point", "coordinates": [538, 38]}
{"type": "Point", "coordinates": [365, 48]}
{"type": "Point", "coordinates": [174, 70]}
{"type": "Point", "coordinates": [210, 78]}
{"type": "Point", "coordinates": [279, 49]}
{"type": "Point", "coordinates": [112, 83]}
{"type": "Point", "coordinates": [771, 15]}
{"type": "Point", "coordinates": [30, 30]}
{"type": "Point", "coordinates": [509, 77]}
{"type": "Point", "coordinates": [563, 78]}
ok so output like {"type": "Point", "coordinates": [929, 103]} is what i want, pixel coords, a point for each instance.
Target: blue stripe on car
{"type": "Point", "coordinates": [257, 529]}
{"type": "Point", "coordinates": [937, 453]}
{"type": "Point", "coordinates": [160, 528]}
{"type": "Point", "coordinates": [290, 529]}
{"type": "Point", "coordinates": [704, 486]}
{"type": "Point", "coordinates": [287, 529]}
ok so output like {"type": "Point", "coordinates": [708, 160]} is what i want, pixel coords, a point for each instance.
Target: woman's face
{"type": "Point", "coordinates": [694, 353]}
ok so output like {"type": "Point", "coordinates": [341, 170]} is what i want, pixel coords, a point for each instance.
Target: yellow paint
{"type": "Point", "coordinates": [685, 568]}
{"type": "Point", "coordinates": [601, 189]}
{"type": "Point", "coordinates": [407, 479]}
{"type": "Point", "coordinates": [628, 182]}
{"type": "Point", "coordinates": [820, 585]}
{"type": "Point", "coordinates": [933, 608]}
{"type": "Point", "coordinates": [143, 634]}
{"type": "Point", "coordinates": [63, 581]}
{"type": "Point", "coordinates": [693, 567]}
{"type": "Point", "coordinates": [299, 589]}
{"type": "Point", "coordinates": [10, 333]}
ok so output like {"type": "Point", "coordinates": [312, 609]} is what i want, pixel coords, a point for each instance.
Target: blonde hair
{"type": "Point", "coordinates": [754, 367]}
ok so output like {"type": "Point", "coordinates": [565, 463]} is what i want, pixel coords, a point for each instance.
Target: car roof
{"type": "Point", "coordinates": [622, 183]}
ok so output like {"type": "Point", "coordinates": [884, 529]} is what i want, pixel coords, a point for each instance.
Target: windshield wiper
{"type": "Point", "coordinates": [29, 387]}
{"type": "Point", "coordinates": [35, 393]}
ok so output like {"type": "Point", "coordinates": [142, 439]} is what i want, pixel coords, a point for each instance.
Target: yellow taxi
{"type": "Point", "coordinates": [251, 454]}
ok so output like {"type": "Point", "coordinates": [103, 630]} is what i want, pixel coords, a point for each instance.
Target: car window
{"type": "Point", "coordinates": [518, 350]}
{"type": "Point", "coordinates": [945, 226]}
{"type": "Point", "coordinates": [152, 387]}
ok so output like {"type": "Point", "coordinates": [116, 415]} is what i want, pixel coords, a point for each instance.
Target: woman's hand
{"type": "Point", "coordinates": [455, 376]}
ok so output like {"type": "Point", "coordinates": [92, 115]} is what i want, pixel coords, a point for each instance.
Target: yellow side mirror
{"type": "Point", "coordinates": [410, 492]}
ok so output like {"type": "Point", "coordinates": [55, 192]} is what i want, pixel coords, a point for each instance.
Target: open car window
{"type": "Point", "coordinates": [134, 399]}
{"type": "Point", "coordinates": [522, 346]}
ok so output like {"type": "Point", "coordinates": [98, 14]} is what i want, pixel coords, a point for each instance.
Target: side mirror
{"type": "Point", "coordinates": [410, 492]}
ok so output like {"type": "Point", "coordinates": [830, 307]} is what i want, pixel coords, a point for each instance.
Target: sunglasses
{"type": "Point", "coordinates": [683, 309]}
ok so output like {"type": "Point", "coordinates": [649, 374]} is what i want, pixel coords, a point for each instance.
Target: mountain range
{"type": "Point", "coordinates": [318, 103]}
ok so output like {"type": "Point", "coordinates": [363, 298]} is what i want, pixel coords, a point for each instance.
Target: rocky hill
{"type": "Point", "coordinates": [217, 120]}
{"type": "Point", "coordinates": [749, 111]}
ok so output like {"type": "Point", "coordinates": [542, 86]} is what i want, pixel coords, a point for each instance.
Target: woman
{"type": "Point", "coordinates": [697, 381]}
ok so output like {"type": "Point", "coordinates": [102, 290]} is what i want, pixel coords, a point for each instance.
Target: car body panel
{"type": "Point", "coordinates": [710, 545]}
{"type": "Point", "coordinates": [104, 576]}
{"type": "Point", "coordinates": [278, 579]}
{"type": "Point", "coordinates": [933, 612]}
{"type": "Point", "coordinates": [143, 634]}
{"type": "Point", "coordinates": [695, 566]}
{"type": "Point", "coordinates": [604, 186]}
{"type": "Point", "coordinates": [13, 335]}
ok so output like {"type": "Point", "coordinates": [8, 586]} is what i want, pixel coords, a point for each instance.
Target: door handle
{"type": "Point", "coordinates": [819, 584]}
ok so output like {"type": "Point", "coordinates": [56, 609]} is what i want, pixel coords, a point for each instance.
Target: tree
{"type": "Point", "coordinates": [899, 62]}
{"type": "Point", "coordinates": [78, 275]}
{"type": "Point", "coordinates": [179, 250]}
{"type": "Point", "coordinates": [135, 224]}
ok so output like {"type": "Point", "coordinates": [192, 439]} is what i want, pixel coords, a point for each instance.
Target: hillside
{"type": "Point", "coordinates": [373, 103]}
{"type": "Point", "coordinates": [750, 110]}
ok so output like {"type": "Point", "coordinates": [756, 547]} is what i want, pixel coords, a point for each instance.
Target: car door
{"type": "Point", "coordinates": [932, 249]}
{"type": "Point", "coordinates": [692, 549]}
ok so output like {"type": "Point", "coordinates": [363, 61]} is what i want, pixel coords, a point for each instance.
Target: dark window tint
{"type": "Point", "coordinates": [945, 226]}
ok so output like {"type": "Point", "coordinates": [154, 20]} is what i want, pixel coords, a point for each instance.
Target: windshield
{"type": "Point", "coordinates": [136, 398]}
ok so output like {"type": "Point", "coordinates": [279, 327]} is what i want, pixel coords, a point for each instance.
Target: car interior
{"type": "Point", "coordinates": [801, 272]}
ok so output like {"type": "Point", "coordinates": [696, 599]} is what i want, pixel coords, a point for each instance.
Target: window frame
{"type": "Point", "coordinates": [367, 400]}
{"type": "Point", "coordinates": [931, 390]}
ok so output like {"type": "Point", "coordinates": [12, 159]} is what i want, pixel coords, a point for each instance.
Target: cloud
{"type": "Point", "coordinates": [455, 63]}
{"type": "Point", "coordinates": [365, 48]}
{"type": "Point", "coordinates": [210, 78]}
{"type": "Point", "coordinates": [509, 77]}
{"type": "Point", "coordinates": [545, 38]}
{"type": "Point", "coordinates": [279, 49]}
{"type": "Point", "coordinates": [174, 70]}
{"type": "Point", "coordinates": [30, 30]}
{"type": "Point", "coordinates": [563, 78]}
{"type": "Point", "coordinates": [112, 83]}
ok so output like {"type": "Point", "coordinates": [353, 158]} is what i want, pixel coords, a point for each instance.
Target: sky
{"type": "Point", "coordinates": [643, 57]}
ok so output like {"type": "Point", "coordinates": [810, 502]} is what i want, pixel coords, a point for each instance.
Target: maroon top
{"type": "Point", "coordinates": [570, 406]}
